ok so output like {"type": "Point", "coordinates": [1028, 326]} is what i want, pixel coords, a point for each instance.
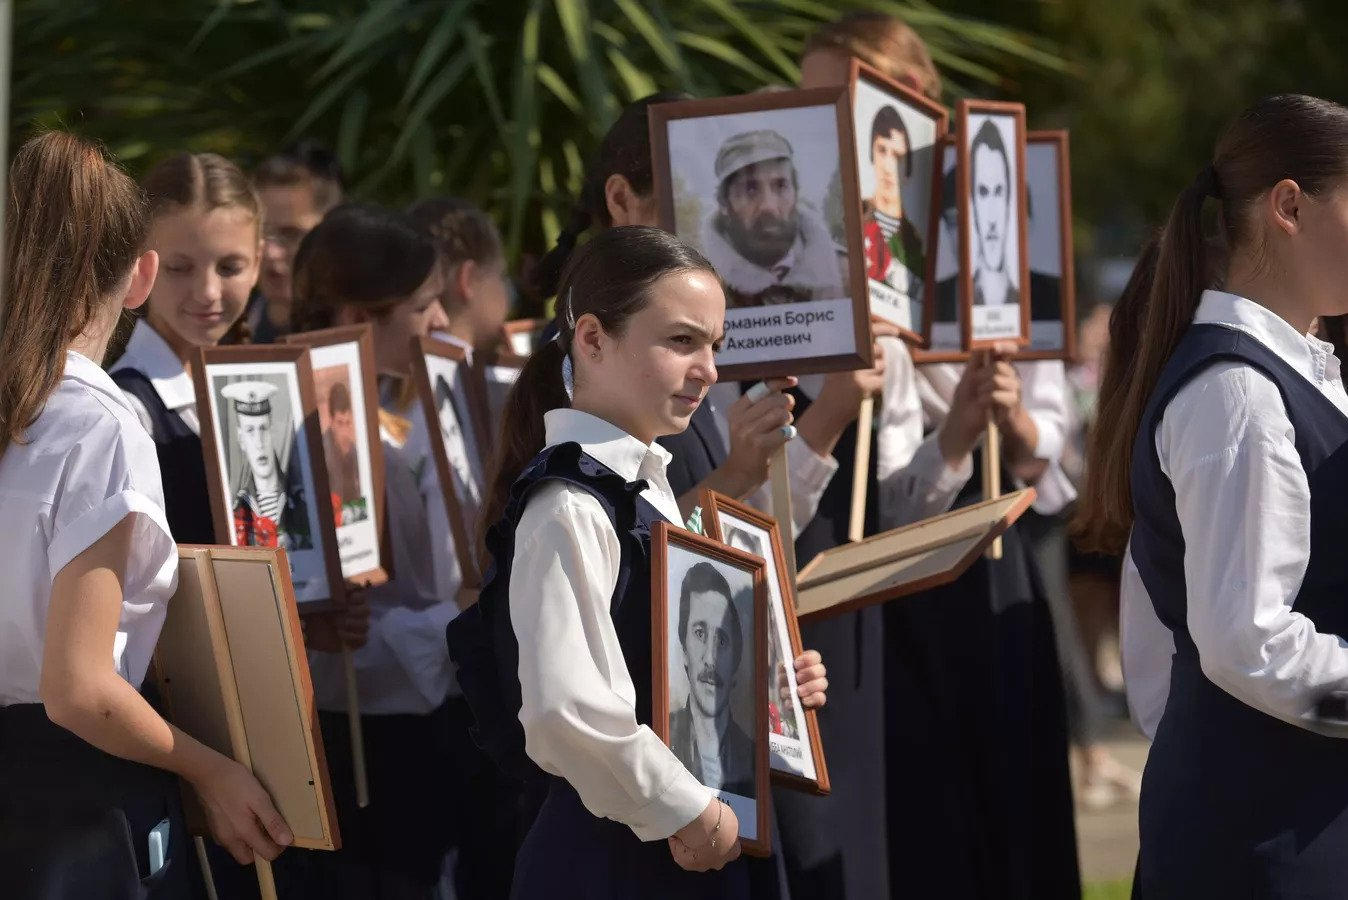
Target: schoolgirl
{"type": "Point", "coordinates": [555, 657]}
{"type": "Point", "coordinates": [973, 692]}
{"type": "Point", "coordinates": [365, 264]}
{"type": "Point", "coordinates": [1226, 463]}
{"type": "Point", "coordinates": [88, 798]}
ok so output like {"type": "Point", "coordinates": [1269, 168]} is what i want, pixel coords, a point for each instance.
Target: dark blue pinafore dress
{"type": "Point", "coordinates": [1236, 803]}
{"type": "Point", "coordinates": [569, 853]}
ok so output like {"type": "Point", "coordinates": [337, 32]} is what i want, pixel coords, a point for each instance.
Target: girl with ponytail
{"type": "Point", "coordinates": [87, 765]}
{"type": "Point", "coordinates": [1226, 462]}
{"type": "Point", "coordinates": [555, 657]}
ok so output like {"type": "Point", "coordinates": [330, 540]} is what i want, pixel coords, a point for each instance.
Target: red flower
{"type": "Point", "coordinates": [251, 530]}
{"type": "Point", "coordinates": [774, 719]}
{"type": "Point", "coordinates": [337, 509]}
{"type": "Point", "coordinates": [877, 250]}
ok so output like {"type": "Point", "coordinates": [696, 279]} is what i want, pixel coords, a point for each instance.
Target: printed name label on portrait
{"type": "Point", "coordinates": [791, 331]}
{"type": "Point", "coordinates": [991, 322]}
{"type": "Point", "coordinates": [891, 305]}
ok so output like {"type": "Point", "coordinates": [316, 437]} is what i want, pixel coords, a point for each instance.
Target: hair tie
{"type": "Point", "coordinates": [1208, 182]}
{"type": "Point", "coordinates": [568, 377]}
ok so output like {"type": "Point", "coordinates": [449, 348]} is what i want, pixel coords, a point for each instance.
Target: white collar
{"type": "Point", "coordinates": [606, 442]}
{"type": "Point", "coordinates": [1309, 355]}
{"type": "Point", "coordinates": [90, 374]}
{"type": "Point", "coordinates": [149, 354]}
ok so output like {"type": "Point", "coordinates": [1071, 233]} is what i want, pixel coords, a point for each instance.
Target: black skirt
{"type": "Point", "coordinates": [75, 821]}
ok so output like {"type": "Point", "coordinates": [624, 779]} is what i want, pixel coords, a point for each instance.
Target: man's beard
{"type": "Point", "coordinates": [766, 241]}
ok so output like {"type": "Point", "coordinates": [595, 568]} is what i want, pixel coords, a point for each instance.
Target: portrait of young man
{"type": "Point", "coordinates": [704, 734]}
{"type": "Point", "coordinates": [270, 509]}
{"type": "Point", "coordinates": [339, 446]}
{"type": "Point", "coordinates": [767, 245]}
{"type": "Point", "coordinates": [995, 241]}
{"type": "Point", "coordinates": [893, 245]}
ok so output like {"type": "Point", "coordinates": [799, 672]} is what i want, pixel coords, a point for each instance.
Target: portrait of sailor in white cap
{"type": "Point", "coordinates": [269, 507]}
{"type": "Point", "coordinates": [767, 244]}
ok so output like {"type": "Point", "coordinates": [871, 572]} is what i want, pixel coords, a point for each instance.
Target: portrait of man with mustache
{"type": "Point", "coordinates": [768, 245]}
{"type": "Point", "coordinates": [704, 734]}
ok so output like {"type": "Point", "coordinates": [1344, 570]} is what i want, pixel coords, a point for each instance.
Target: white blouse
{"type": "Point", "coordinates": [149, 354]}
{"type": "Point", "coordinates": [579, 709]}
{"type": "Point", "coordinates": [85, 465]}
{"type": "Point", "coordinates": [1243, 501]}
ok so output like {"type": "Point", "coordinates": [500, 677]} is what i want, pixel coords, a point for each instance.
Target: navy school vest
{"type": "Point", "coordinates": [1230, 791]}
{"type": "Point", "coordinates": [182, 465]}
{"type": "Point", "coordinates": [482, 640]}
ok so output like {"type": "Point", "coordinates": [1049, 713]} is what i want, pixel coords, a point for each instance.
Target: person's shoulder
{"type": "Point", "coordinates": [1225, 405]}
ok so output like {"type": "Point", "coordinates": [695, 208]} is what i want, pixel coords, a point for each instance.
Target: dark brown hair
{"type": "Point", "coordinates": [360, 255]}
{"type": "Point", "coordinates": [610, 278]}
{"type": "Point", "coordinates": [74, 226]}
{"type": "Point", "coordinates": [1288, 136]}
{"type": "Point", "coordinates": [886, 44]}
{"type": "Point", "coordinates": [625, 151]}
{"type": "Point", "coordinates": [306, 164]}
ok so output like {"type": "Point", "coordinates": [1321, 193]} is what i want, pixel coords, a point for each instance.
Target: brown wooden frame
{"type": "Point", "coordinates": [518, 326]}
{"type": "Point", "coordinates": [1060, 141]}
{"type": "Point", "coordinates": [662, 114]}
{"type": "Point", "coordinates": [713, 505]}
{"type": "Point", "coordinates": [461, 527]}
{"type": "Point", "coordinates": [662, 536]}
{"type": "Point", "coordinates": [924, 355]}
{"type": "Point", "coordinates": [1015, 511]}
{"type": "Point", "coordinates": [309, 432]}
{"type": "Point", "coordinates": [363, 337]}
{"type": "Point", "coordinates": [200, 679]}
{"type": "Point", "coordinates": [963, 188]}
{"type": "Point", "coordinates": [901, 93]}
{"type": "Point", "coordinates": [483, 362]}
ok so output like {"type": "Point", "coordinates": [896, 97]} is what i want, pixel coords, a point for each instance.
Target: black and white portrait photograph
{"type": "Point", "coordinates": [711, 602]}
{"type": "Point", "coordinates": [992, 199]}
{"type": "Point", "coordinates": [264, 478]}
{"type": "Point", "coordinates": [454, 415]}
{"type": "Point", "coordinates": [1049, 208]}
{"type": "Point", "coordinates": [764, 187]}
{"type": "Point", "coordinates": [944, 338]}
{"type": "Point", "coordinates": [897, 135]}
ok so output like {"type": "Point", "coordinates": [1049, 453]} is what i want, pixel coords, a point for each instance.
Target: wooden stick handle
{"type": "Point", "coordinates": [205, 862]}
{"type": "Point", "coordinates": [992, 475]}
{"type": "Point", "coordinates": [856, 525]}
{"type": "Point", "coordinates": [357, 734]}
{"type": "Point", "coordinates": [781, 506]}
{"type": "Point", "coordinates": [266, 884]}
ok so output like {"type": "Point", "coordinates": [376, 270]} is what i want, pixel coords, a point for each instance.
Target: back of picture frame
{"type": "Point", "coordinates": [233, 674]}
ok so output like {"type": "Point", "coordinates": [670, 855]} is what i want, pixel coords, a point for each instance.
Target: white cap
{"type": "Point", "coordinates": [251, 398]}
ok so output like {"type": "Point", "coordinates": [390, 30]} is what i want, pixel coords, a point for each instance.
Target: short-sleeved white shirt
{"type": "Point", "coordinates": [84, 466]}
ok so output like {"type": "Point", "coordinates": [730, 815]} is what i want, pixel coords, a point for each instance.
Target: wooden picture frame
{"type": "Point", "coordinates": [722, 517]}
{"type": "Point", "coordinates": [675, 553]}
{"type": "Point", "coordinates": [352, 348]}
{"type": "Point", "coordinates": [463, 490]}
{"type": "Point", "coordinates": [1048, 170]}
{"type": "Point", "coordinates": [985, 325]}
{"type": "Point", "coordinates": [906, 560]}
{"type": "Point", "coordinates": [945, 332]}
{"type": "Point", "coordinates": [242, 519]}
{"type": "Point", "coordinates": [816, 317]}
{"type": "Point", "coordinates": [874, 94]}
{"type": "Point", "coordinates": [233, 674]}
{"type": "Point", "coordinates": [520, 336]}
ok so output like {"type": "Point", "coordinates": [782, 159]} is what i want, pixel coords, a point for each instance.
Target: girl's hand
{"type": "Point", "coordinates": [239, 812]}
{"type": "Point", "coordinates": [702, 847]}
{"type": "Point", "coordinates": [756, 432]}
{"type": "Point", "coordinates": [347, 628]}
{"type": "Point", "coordinates": [811, 679]}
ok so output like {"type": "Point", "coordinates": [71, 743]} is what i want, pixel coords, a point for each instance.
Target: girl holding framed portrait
{"type": "Point", "coordinates": [562, 690]}
{"type": "Point", "coordinates": [89, 804]}
{"type": "Point", "coordinates": [415, 724]}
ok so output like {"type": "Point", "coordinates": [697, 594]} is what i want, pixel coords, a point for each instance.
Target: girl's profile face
{"type": "Point", "coordinates": [208, 264]}
{"type": "Point", "coordinates": [1325, 236]}
{"type": "Point", "coordinates": [415, 316]}
{"type": "Point", "coordinates": [652, 377]}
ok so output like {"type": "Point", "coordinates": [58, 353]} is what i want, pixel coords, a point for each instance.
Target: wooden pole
{"type": "Point", "coordinates": [266, 884]}
{"type": "Point", "coordinates": [205, 862]}
{"type": "Point", "coordinates": [781, 506]}
{"type": "Point", "coordinates": [856, 525]}
{"type": "Point", "coordinates": [357, 734]}
{"type": "Point", "coordinates": [992, 475]}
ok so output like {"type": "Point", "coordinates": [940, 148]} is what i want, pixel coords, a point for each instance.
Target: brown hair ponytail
{"type": "Point", "coordinates": [610, 278]}
{"type": "Point", "coordinates": [75, 224]}
{"type": "Point", "coordinates": [1289, 136]}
